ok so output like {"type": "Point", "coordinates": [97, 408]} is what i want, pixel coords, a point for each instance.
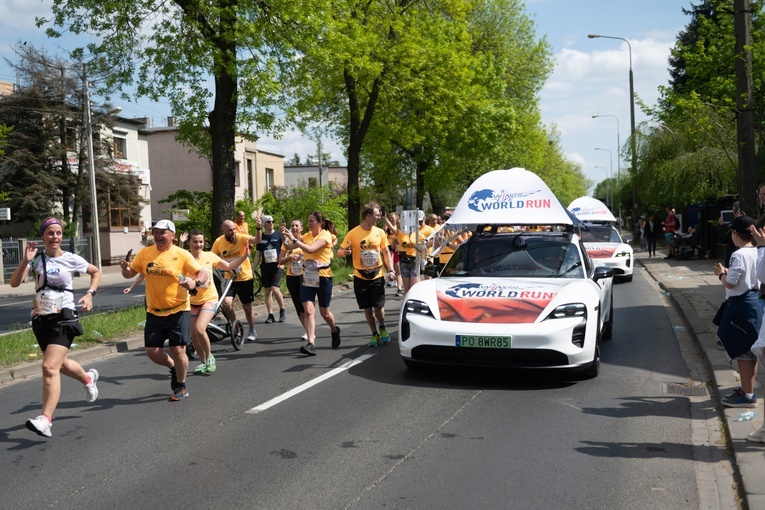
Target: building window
{"type": "Point", "coordinates": [71, 138]}
{"type": "Point", "coordinates": [269, 179]}
{"type": "Point", "coordinates": [249, 179]}
{"type": "Point", "coordinates": [120, 145]}
{"type": "Point", "coordinates": [312, 182]}
{"type": "Point", "coordinates": [237, 171]}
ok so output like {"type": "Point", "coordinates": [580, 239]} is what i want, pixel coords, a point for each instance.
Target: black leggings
{"type": "Point", "coordinates": [293, 285]}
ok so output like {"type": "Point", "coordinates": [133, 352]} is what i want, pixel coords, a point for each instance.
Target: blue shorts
{"type": "Point", "coordinates": [668, 238]}
{"type": "Point", "coordinates": [323, 291]}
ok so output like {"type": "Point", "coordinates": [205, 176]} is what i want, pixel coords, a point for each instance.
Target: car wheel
{"type": "Point", "coordinates": [608, 327]}
{"type": "Point", "coordinates": [628, 278]}
{"type": "Point", "coordinates": [593, 370]}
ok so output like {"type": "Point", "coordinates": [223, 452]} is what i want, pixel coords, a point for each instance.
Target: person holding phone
{"type": "Point", "coordinates": [54, 316]}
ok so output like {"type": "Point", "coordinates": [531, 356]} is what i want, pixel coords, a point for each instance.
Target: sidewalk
{"type": "Point", "coordinates": [696, 294]}
{"type": "Point", "coordinates": [692, 288]}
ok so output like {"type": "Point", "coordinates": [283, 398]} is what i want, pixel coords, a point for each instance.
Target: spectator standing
{"type": "Point", "coordinates": [741, 319]}
{"type": "Point", "coordinates": [242, 227]}
{"type": "Point", "coordinates": [269, 242]}
{"type": "Point", "coordinates": [170, 273]}
{"type": "Point", "coordinates": [641, 233]}
{"type": "Point", "coordinates": [292, 260]}
{"type": "Point", "coordinates": [54, 316]}
{"type": "Point", "coordinates": [231, 246]}
{"type": "Point", "coordinates": [205, 299]}
{"type": "Point", "coordinates": [368, 245]}
{"type": "Point", "coordinates": [669, 226]}
{"type": "Point", "coordinates": [652, 231]}
{"type": "Point", "coordinates": [316, 245]}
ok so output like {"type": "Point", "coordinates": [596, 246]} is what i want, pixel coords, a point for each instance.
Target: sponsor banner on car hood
{"type": "Point", "coordinates": [509, 197]}
{"type": "Point", "coordinates": [591, 209]}
{"type": "Point", "coordinates": [601, 250]}
{"type": "Point", "coordinates": [485, 301]}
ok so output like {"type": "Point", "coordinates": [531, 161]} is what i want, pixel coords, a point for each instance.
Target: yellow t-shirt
{"type": "Point", "coordinates": [164, 295]}
{"type": "Point", "coordinates": [405, 244]}
{"type": "Point", "coordinates": [366, 249]}
{"type": "Point", "coordinates": [230, 251]}
{"type": "Point", "coordinates": [322, 256]}
{"type": "Point", "coordinates": [293, 267]}
{"type": "Point", "coordinates": [208, 261]}
{"type": "Point", "coordinates": [244, 228]}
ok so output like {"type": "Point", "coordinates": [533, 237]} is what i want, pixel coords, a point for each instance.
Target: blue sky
{"type": "Point", "coordinates": [590, 76]}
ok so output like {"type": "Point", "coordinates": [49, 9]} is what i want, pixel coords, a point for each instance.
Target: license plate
{"type": "Point", "coordinates": [489, 342]}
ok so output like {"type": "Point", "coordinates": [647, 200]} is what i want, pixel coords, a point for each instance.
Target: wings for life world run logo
{"type": "Point", "coordinates": [492, 303]}
{"type": "Point", "coordinates": [478, 290]}
{"type": "Point", "coordinates": [588, 213]}
{"type": "Point", "coordinates": [490, 200]}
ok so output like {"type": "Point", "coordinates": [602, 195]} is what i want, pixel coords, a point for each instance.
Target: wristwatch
{"type": "Point", "coordinates": [91, 292]}
{"type": "Point", "coordinates": [198, 283]}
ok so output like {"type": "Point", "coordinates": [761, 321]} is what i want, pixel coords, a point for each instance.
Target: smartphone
{"type": "Point", "coordinates": [382, 210]}
{"type": "Point", "coordinates": [283, 221]}
{"type": "Point", "coordinates": [129, 253]}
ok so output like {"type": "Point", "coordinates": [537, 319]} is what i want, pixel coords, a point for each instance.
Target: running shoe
{"type": "Point", "coordinates": [252, 335]}
{"type": "Point", "coordinates": [734, 393]}
{"type": "Point", "coordinates": [304, 337]}
{"type": "Point", "coordinates": [179, 394]}
{"type": "Point", "coordinates": [758, 436]}
{"type": "Point", "coordinates": [399, 293]}
{"type": "Point", "coordinates": [173, 379]}
{"type": "Point", "coordinates": [308, 349]}
{"type": "Point", "coordinates": [375, 339]}
{"type": "Point", "coordinates": [336, 338]}
{"type": "Point", "coordinates": [210, 362]}
{"type": "Point", "coordinates": [739, 400]}
{"type": "Point", "coordinates": [270, 318]}
{"type": "Point", "coordinates": [40, 425]}
{"type": "Point", "coordinates": [384, 336]}
{"type": "Point", "coordinates": [282, 315]}
{"type": "Point", "coordinates": [91, 391]}
{"type": "Point", "coordinates": [201, 368]}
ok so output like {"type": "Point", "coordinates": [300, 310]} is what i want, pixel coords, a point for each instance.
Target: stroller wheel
{"type": "Point", "coordinates": [237, 335]}
{"type": "Point", "coordinates": [191, 353]}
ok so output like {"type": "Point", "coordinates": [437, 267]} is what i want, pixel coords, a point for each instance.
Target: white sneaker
{"type": "Point", "coordinates": [91, 391]}
{"type": "Point", "coordinates": [252, 335]}
{"type": "Point", "coordinates": [40, 425]}
{"type": "Point", "coordinates": [304, 337]}
{"type": "Point", "coordinates": [758, 436]}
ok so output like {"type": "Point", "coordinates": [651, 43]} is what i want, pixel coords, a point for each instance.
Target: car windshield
{"type": "Point", "coordinates": [600, 234]}
{"type": "Point", "coordinates": [526, 255]}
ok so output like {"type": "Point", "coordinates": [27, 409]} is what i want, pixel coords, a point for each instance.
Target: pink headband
{"type": "Point", "coordinates": [47, 223]}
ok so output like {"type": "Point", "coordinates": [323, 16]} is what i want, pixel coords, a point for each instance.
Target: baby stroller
{"type": "Point", "coordinates": [685, 245]}
{"type": "Point", "coordinates": [220, 327]}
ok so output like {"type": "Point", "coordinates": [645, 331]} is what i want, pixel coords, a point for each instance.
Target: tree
{"type": "Point", "coordinates": [171, 48]}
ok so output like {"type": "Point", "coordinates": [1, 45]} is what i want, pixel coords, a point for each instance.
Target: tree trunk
{"type": "Point", "coordinates": [744, 106]}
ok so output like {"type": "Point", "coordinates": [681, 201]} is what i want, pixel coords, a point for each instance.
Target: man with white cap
{"type": "Point", "coordinates": [269, 243]}
{"type": "Point", "coordinates": [230, 246]}
{"type": "Point", "coordinates": [171, 273]}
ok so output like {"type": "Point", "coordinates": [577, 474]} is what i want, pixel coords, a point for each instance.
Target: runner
{"type": "Point", "coordinates": [171, 272]}
{"type": "Point", "coordinates": [54, 316]}
{"type": "Point", "coordinates": [269, 243]}
{"type": "Point", "coordinates": [293, 262]}
{"type": "Point", "coordinates": [317, 278]}
{"type": "Point", "coordinates": [204, 300]}
{"type": "Point", "coordinates": [368, 244]}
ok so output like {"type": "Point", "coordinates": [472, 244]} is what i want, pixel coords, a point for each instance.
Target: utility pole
{"type": "Point", "coordinates": [318, 149]}
{"type": "Point", "coordinates": [742, 24]}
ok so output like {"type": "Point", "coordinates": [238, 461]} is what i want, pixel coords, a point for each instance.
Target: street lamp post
{"type": "Point", "coordinates": [633, 146]}
{"type": "Point", "coordinates": [92, 169]}
{"type": "Point", "coordinates": [610, 184]}
{"type": "Point", "coordinates": [607, 190]}
{"type": "Point", "coordinates": [618, 166]}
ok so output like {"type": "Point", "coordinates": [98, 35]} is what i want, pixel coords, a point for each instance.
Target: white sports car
{"type": "Point", "coordinates": [601, 240]}
{"type": "Point", "coordinates": [510, 296]}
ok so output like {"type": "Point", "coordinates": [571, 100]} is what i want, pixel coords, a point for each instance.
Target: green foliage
{"type": "Point", "coordinates": [300, 202]}
{"type": "Point", "coordinates": [199, 204]}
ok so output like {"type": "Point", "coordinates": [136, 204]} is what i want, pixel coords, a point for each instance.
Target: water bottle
{"type": "Point", "coordinates": [747, 416]}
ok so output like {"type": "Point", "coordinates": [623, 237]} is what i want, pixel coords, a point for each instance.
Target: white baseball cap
{"type": "Point", "coordinates": [266, 218]}
{"type": "Point", "coordinates": [420, 215]}
{"type": "Point", "coordinates": [165, 225]}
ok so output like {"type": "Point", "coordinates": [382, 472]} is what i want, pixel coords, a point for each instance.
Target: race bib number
{"type": "Point", "coordinates": [296, 267]}
{"type": "Point", "coordinates": [311, 278]}
{"type": "Point", "coordinates": [370, 258]}
{"type": "Point", "coordinates": [48, 303]}
{"type": "Point", "coordinates": [270, 256]}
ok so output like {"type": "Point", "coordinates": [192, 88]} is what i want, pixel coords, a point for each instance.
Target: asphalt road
{"type": "Point", "coordinates": [354, 428]}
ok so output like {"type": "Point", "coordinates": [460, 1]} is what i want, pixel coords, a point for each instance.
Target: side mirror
{"type": "Point", "coordinates": [602, 272]}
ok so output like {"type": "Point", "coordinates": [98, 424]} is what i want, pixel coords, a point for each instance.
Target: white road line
{"type": "Point", "coordinates": [313, 382]}
{"type": "Point", "coordinates": [16, 303]}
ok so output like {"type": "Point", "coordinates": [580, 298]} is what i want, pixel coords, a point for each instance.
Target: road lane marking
{"type": "Point", "coordinates": [313, 382]}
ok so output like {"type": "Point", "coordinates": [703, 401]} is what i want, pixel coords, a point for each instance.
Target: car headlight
{"type": "Point", "coordinates": [414, 307]}
{"type": "Point", "coordinates": [623, 254]}
{"type": "Point", "coordinates": [417, 306]}
{"type": "Point", "coordinates": [569, 310]}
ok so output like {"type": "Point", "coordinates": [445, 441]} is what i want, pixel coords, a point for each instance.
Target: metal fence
{"type": "Point", "coordinates": [12, 252]}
